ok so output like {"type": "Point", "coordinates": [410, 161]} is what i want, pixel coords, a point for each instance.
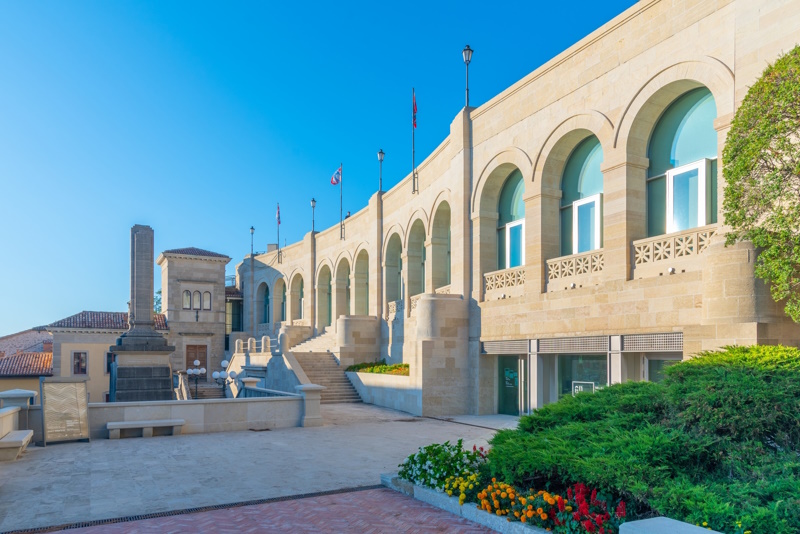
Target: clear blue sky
{"type": "Point", "coordinates": [196, 118]}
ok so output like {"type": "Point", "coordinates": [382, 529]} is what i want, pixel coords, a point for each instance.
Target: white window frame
{"type": "Point", "coordinates": [598, 221]}
{"type": "Point", "coordinates": [508, 227]}
{"type": "Point", "coordinates": [703, 168]}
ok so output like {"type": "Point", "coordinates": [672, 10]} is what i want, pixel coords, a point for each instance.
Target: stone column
{"type": "Point", "coordinates": [142, 371]}
{"type": "Point", "coordinates": [312, 394]}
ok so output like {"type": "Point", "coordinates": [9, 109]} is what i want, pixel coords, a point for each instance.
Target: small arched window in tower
{"type": "Point", "coordinates": [207, 300]}
{"type": "Point", "coordinates": [196, 300]}
{"type": "Point", "coordinates": [187, 300]}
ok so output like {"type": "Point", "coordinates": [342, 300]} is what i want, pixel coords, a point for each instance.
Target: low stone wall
{"type": "Point", "coordinates": [389, 391]}
{"type": "Point", "coordinates": [9, 420]}
{"type": "Point", "coordinates": [201, 416]}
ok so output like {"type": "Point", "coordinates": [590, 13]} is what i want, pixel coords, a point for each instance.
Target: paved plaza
{"type": "Point", "coordinates": [76, 482]}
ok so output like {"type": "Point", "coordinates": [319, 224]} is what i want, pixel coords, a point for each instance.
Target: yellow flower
{"type": "Point", "coordinates": [568, 508]}
{"type": "Point", "coordinates": [705, 523]}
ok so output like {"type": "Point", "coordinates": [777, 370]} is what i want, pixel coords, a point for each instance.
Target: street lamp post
{"type": "Point", "coordinates": [313, 205]}
{"type": "Point", "coordinates": [467, 53]}
{"type": "Point", "coordinates": [195, 373]}
{"type": "Point", "coordinates": [252, 284]}
{"type": "Point", "coordinates": [223, 378]}
{"type": "Point", "coordinates": [381, 153]}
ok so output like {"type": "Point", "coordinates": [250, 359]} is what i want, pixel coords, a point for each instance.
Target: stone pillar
{"type": "Point", "coordinates": [617, 374]}
{"type": "Point", "coordinates": [142, 371]}
{"type": "Point", "coordinates": [405, 283]}
{"type": "Point", "coordinates": [312, 394]}
{"type": "Point", "coordinates": [624, 213]}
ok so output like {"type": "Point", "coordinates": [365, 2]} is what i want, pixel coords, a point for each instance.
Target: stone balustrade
{"type": "Point", "coordinates": [412, 303]}
{"type": "Point", "coordinates": [444, 290]}
{"type": "Point", "coordinates": [655, 255]}
{"type": "Point", "coordinates": [504, 283]}
{"type": "Point", "coordinates": [575, 270]}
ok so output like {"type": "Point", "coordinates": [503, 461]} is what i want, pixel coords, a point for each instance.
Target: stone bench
{"type": "Point", "coordinates": [13, 443]}
{"type": "Point", "coordinates": [146, 426]}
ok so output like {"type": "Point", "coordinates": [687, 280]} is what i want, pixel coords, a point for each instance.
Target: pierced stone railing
{"type": "Point", "coordinates": [412, 303]}
{"type": "Point", "coordinates": [444, 290]}
{"type": "Point", "coordinates": [666, 247]}
{"type": "Point", "coordinates": [301, 322]}
{"type": "Point", "coordinates": [575, 265]}
{"type": "Point", "coordinates": [504, 284]}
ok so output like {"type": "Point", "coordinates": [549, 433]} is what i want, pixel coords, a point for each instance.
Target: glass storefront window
{"type": "Point", "coordinates": [655, 369]}
{"type": "Point", "coordinates": [580, 373]}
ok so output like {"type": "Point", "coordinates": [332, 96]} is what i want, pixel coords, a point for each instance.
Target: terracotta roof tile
{"type": "Point", "coordinates": [27, 364]}
{"type": "Point", "coordinates": [104, 321]}
{"type": "Point", "coordinates": [232, 293]}
{"type": "Point", "coordinates": [194, 251]}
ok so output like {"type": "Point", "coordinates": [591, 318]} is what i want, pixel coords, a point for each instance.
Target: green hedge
{"type": "Point", "coordinates": [718, 441]}
{"type": "Point", "coordinates": [380, 367]}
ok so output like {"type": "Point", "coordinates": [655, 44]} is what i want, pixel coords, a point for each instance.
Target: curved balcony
{"type": "Point", "coordinates": [506, 283]}
{"type": "Point", "coordinates": [655, 255]}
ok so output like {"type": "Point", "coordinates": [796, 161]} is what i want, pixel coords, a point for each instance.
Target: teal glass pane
{"type": "Point", "coordinates": [711, 194]}
{"type": "Point", "coordinates": [655, 369]}
{"type": "Point", "coordinates": [586, 227]}
{"type": "Point", "coordinates": [657, 207]}
{"type": "Point", "coordinates": [566, 231]}
{"type": "Point", "coordinates": [512, 206]}
{"type": "Point", "coordinates": [684, 203]}
{"type": "Point", "coordinates": [515, 246]}
{"type": "Point", "coordinates": [684, 133]}
{"type": "Point", "coordinates": [501, 248]}
{"type": "Point", "coordinates": [582, 177]}
{"type": "Point", "coordinates": [581, 373]}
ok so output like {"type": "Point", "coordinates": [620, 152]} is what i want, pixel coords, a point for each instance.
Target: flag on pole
{"type": "Point", "coordinates": [414, 115]}
{"type": "Point", "coordinates": [337, 176]}
{"type": "Point", "coordinates": [278, 215]}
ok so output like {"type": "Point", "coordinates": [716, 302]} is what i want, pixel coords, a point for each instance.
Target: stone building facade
{"type": "Point", "coordinates": [566, 235]}
{"type": "Point", "coordinates": [193, 321]}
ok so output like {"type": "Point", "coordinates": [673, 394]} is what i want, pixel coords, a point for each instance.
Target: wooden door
{"type": "Point", "coordinates": [196, 352]}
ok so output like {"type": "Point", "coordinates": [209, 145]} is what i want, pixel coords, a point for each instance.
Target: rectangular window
{"type": "Point", "coordinates": [515, 244]}
{"type": "Point", "coordinates": [109, 361]}
{"type": "Point", "coordinates": [688, 196]}
{"type": "Point", "coordinates": [79, 360]}
{"type": "Point", "coordinates": [657, 206]}
{"type": "Point", "coordinates": [655, 365]}
{"type": "Point", "coordinates": [587, 224]}
{"type": "Point", "coordinates": [566, 231]}
{"type": "Point", "coordinates": [580, 373]}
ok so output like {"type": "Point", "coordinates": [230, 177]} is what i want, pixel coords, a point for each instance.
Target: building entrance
{"type": "Point", "coordinates": [512, 387]}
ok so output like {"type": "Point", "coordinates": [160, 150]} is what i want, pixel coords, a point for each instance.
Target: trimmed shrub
{"type": "Point", "coordinates": [716, 442]}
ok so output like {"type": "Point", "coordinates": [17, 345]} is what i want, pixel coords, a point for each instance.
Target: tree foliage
{"type": "Point", "coordinates": [762, 174]}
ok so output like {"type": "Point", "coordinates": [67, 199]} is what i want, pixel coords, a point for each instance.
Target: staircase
{"type": "Point", "coordinates": [206, 391]}
{"type": "Point", "coordinates": [322, 369]}
{"type": "Point", "coordinates": [324, 342]}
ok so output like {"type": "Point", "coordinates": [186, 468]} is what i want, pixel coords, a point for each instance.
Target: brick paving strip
{"type": "Point", "coordinates": [370, 509]}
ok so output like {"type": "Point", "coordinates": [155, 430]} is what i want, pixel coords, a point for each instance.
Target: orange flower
{"type": "Point", "coordinates": [523, 519]}
{"type": "Point", "coordinates": [529, 513]}
{"type": "Point", "coordinates": [544, 517]}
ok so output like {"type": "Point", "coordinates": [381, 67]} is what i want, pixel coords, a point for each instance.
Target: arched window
{"type": "Point", "coordinates": [301, 311]}
{"type": "Point", "coordinates": [187, 300]}
{"type": "Point", "coordinates": [582, 199]}
{"type": "Point", "coordinates": [511, 223]}
{"type": "Point", "coordinates": [283, 302]}
{"type": "Point", "coordinates": [265, 311]}
{"type": "Point", "coordinates": [207, 300]}
{"type": "Point", "coordinates": [682, 177]}
{"type": "Point", "coordinates": [196, 300]}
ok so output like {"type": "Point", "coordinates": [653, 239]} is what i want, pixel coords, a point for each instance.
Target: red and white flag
{"type": "Point", "coordinates": [337, 176]}
{"type": "Point", "coordinates": [278, 215]}
{"type": "Point", "coordinates": [414, 114]}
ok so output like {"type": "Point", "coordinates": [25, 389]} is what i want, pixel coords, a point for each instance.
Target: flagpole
{"type": "Point", "coordinates": [413, 164]}
{"type": "Point", "coordinates": [341, 220]}
{"type": "Point", "coordinates": [279, 234]}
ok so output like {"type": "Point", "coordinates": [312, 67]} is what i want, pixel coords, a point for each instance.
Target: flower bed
{"type": "Point", "coordinates": [457, 472]}
{"type": "Point", "coordinates": [398, 369]}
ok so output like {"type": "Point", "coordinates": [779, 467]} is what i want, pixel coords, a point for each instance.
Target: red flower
{"type": "Point", "coordinates": [583, 508]}
{"type": "Point", "coordinates": [576, 516]}
{"type": "Point", "coordinates": [602, 531]}
{"type": "Point", "coordinates": [620, 513]}
{"type": "Point", "coordinates": [560, 504]}
{"type": "Point", "coordinates": [588, 525]}
{"type": "Point", "coordinates": [594, 497]}
{"type": "Point", "coordinates": [599, 520]}
{"type": "Point", "coordinates": [569, 494]}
